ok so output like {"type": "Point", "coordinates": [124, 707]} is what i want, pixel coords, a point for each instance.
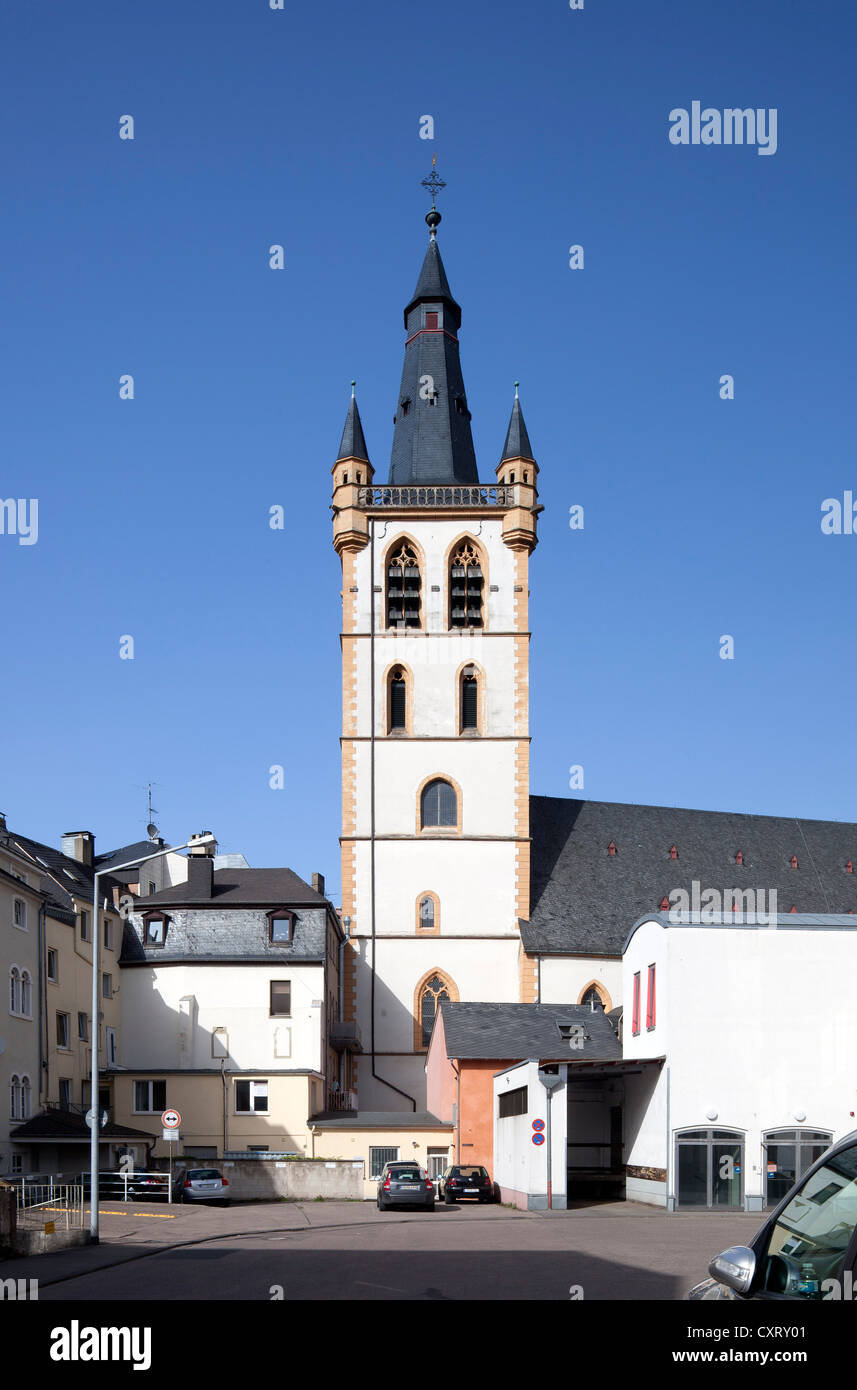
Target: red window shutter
{"type": "Point", "coordinates": [635, 1018]}
{"type": "Point", "coordinates": [431, 320]}
{"type": "Point", "coordinates": [650, 1002]}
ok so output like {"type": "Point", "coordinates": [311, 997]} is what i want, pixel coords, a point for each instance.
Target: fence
{"type": "Point", "coordinates": [132, 1187]}
{"type": "Point", "coordinates": [40, 1202]}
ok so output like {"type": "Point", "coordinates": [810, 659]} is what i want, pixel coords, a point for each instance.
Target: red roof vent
{"type": "Point", "coordinates": [849, 867]}
{"type": "Point", "coordinates": [739, 857]}
{"type": "Point", "coordinates": [664, 905]}
{"type": "Point", "coordinates": [673, 852]}
{"type": "Point", "coordinates": [611, 848]}
{"type": "Point", "coordinates": [792, 908]}
{"type": "Point", "coordinates": [793, 861]}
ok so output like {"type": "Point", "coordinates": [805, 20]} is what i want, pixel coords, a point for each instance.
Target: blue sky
{"type": "Point", "coordinates": [301, 127]}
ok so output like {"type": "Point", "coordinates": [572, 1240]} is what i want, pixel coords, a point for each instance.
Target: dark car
{"type": "Point", "coordinates": [807, 1249]}
{"type": "Point", "coordinates": [465, 1181]}
{"type": "Point", "coordinates": [405, 1184]}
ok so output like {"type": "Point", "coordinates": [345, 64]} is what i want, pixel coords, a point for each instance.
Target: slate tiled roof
{"type": "Point", "coordinates": [380, 1119]}
{"type": "Point", "coordinates": [522, 1031]}
{"type": "Point", "coordinates": [61, 876]}
{"type": "Point", "coordinates": [517, 440]}
{"type": "Point", "coordinates": [242, 888]}
{"type": "Point", "coordinates": [65, 1126]}
{"type": "Point", "coordinates": [584, 900]}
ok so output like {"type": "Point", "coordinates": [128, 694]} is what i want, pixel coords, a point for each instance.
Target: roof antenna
{"type": "Point", "coordinates": [151, 828]}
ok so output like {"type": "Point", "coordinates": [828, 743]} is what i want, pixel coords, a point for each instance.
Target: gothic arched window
{"type": "Point", "coordinates": [403, 587]}
{"type": "Point", "coordinates": [434, 990]}
{"type": "Point", "coordinates": [592, 999]}
{"type": "Point", "coordinates": [397, 701]}
{"type": "Point", "coordinates": [438, 805]}
{"type": "Point", "coordinates": [428, 912]}
{"type": "Point", "coordinates": [469, 697]}
{"type": "Point", "coordinates": [465, 587]}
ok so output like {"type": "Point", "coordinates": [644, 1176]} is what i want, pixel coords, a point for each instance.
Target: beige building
{"type": "Point", "coordinates": [22, 908]}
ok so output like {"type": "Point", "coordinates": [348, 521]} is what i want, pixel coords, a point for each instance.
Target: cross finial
{"type": "Point", "coordinates": [434, 183]}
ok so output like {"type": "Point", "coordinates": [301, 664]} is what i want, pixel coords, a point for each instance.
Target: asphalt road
{"type": "Point", "coordinates": [342, 1250]}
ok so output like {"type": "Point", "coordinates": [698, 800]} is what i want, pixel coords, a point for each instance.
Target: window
{"type": "Point", "coordinates": [111, 1047]}
{"type": "Point", "coordinates": [19, 914]}
{"type": "Point", "coordinates": [635, 1014]}
{"type": "Point", "coordinates": [465, 587]}
{"type": "Point", "coordinates": [434, 990]}
{"type": "Point", "coordinates": [107, 986]}
{"type": "Point", "coordinates": [377, 1158]}
{"type": "Point", "coordinates": [431, 319]}
{"type": "Point", "coordinates": [251, 1097]}
{"type": "Point", "coordinates": [427, 913]}
{"type": "Point", "coordinates": [15, 1097]}
{"type": "Point", "coordinates": [152, 888]}
{"type": "Point", "coordinates": [150, 1097]}
{"type": "Point", "coordinates": [84, 926]}
{"type": "Point", "coordinates": [26, 1097]}
{"type": "Point", "coordinates": [788, 1154]}
{"type": "Point", "coordinates": [281, 926]}
{"type": "Point", "coordinates": [14, 990]}
{"type": "Point", "coordinates": [437, 1161]}
{"type": "Point", "coordinates": [26, 995]}
{"type": "Point", "coordinates": [154, 930]}
{"type": "Point", "coordinates": [81, 1026]}
{"type": "Point", "coordinates": [65, 1093]}
{"type": "Point", "coordinates": [108, 934]}
{"type": "Point", "coordinates": [403, 587]}
{"type": "Point", "coordinates": [62, 1030]}
{"type": "Point", "coordinates": [16, 1163]}
{"type": "Point", "coordinates": [513, 1103]}
{"type": "Point", "coordinates": [397, 701]}
{"type": "Point", "coordinates": [281, 998]}
{"type": "Point", "coordinates": [592, 999]}
{"type": "Point", "coordinates": [438, 805]}
{"type": "Point", "coordinates": [650, 1000]}
{"type": "Point", "coordinates": [469, 696]}
{"type": "Point", "coordinates": [53, 967]}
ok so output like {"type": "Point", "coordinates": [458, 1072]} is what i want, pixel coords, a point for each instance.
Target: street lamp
{"type": "Point", "coordinates": [95, 1127]}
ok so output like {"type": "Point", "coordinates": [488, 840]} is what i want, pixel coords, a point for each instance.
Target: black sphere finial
{"type": "Point", "coordinates": [433, 219]}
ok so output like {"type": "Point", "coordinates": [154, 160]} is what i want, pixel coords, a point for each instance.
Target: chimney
{"type": "Point", "coordinates": [200, 867]}
{"type": "Point", "coordinates": [2, 823]}
{"type": "Point", "coordinates": [318, 884]}
{"type": "Point", "coordinates": [79, 845]}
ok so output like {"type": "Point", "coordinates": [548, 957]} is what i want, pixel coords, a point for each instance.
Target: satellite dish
{"type": "Point", "coordinates": [152, 831]}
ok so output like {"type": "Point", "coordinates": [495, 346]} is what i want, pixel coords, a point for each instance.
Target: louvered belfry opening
{"type": "Point", "coordinates": [465, 588]}
{"type": "Point", "coordinates": [403, 589]}
{"type": "Point", "coordinates": [398, 700]}
{"type": "Point", "coordinates": [469, 700]}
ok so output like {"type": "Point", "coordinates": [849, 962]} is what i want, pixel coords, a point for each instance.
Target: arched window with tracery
{"type": "Point", "coordinates": [592, 998]}
{"type": "Point", "coordinates": [433, 991]}
{"type": "Point", "coordinates": [465, 586]}
{"type": "Point", "coordinates": [403, 587]}
{"type": "Point", "coordinates": [438, 806]}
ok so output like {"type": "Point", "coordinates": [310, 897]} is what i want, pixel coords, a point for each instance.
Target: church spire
{"type": "Point", "coordinates": [432, 442]}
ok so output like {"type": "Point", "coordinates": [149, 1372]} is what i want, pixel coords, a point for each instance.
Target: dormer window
{"type": "Point", "coordinates": [154, 929]}
{"type": "Point", "coordinates": [432, 318]}
{"type": "Point", "coordinates": [673, 852]}
{"type": "Point", "coordinates": [281, 926]}
{"type": "Point", "coordinates": [405, 403]}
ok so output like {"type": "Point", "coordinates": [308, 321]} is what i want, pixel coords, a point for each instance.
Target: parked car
{"type": "Point", "coordinates": [405, 1184]}
{"type": "Point", "coordinates": [465, 1181]}
{"type": "Point", "coordinates": [205, 1185]}
{"type": "Point", "coordinates": [807, 1248]}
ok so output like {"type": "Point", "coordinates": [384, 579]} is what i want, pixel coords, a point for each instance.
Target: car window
{"type": "Point", "coordinates": [202, 1174]}
{"type": "Point", "coordinates": [810, 1236]}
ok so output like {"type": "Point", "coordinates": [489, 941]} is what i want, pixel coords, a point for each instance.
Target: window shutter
{"type": "Point", "coordinates": [469, 703]}
{"type": "Point", "coordinates": [398, 693]}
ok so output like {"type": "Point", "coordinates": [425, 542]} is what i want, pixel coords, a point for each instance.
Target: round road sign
{"type": "Point", "coordinates": [538, 1138]}
{"type": "Point", "coordinates": [171, 1119]}
{"type": "Point", "coordinates": [538, 1124]}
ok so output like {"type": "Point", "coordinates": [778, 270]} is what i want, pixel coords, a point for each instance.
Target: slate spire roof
{"type": "Point", "coordinates": [432, 442]}
{"type": "Point", "coordinates": [353, 444]}
{"type": "Point", "coordinates": [517, 444]}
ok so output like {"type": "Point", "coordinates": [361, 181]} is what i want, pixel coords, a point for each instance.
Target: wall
{"type": "Point", "coordinates": [564, 978]}
{"type": "Point", "coordinates": [354, 1143]}
{"type": "Point", "coordinates": [269, 1180]}
{"type": "Point", "coordinates": [18, 947]}
{"type": "Point", "coordinates": [520, 1166]}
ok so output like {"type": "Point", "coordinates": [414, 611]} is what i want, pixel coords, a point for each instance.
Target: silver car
{"type": "Point", "coordinates": [807, 1249]}
{"type": "Point", "coordinates": [204, 1185]}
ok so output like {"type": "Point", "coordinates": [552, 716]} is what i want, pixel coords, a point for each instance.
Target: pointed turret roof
{"type": "Point", "coordinates": [432, 283]}
{"type": "Point", "coordinates": [353, 444]}
{"type": "Point", "coordinates": [517, 444]}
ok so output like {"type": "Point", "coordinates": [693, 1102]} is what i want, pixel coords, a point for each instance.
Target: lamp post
{"type": "Point", "coordinates": [95, 1127]}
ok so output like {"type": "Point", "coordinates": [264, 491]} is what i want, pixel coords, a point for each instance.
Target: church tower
{"type": "Point", "coordinates": [435, 708]}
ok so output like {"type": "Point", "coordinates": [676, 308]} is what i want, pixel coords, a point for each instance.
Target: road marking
{"type": "Point", "coordinates": [145, 1215]}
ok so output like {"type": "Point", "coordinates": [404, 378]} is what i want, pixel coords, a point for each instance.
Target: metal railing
{"type": "Point", "coordinates": [483, 495]}
{"type": "Point", "coordinates": [132, 1187]}
{"type": "Point", "coordinates": [40, 1202]}
{"type": "Point", "coordinates": [341, 1100]}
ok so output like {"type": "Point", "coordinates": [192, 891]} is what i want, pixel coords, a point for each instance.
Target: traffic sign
{"type": "Point", "coordinates": [170, 1136]}
{"type": "Point", "coordinates": [538, 1124]}
{"type": "Point", "coordinates": [171, 1119]}
{"type": "Point", "coordinates": [92, 1117]}
{"type": "Point", "coordinates": [538, 1138]}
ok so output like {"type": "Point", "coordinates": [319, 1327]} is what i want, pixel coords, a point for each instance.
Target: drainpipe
{"type": "Point", "coordinates": [457, 1070]}
{"type": "Point", "coordinates": [223, 1080]}
{"type": "Point", "coordinates": [346, 921]}
{"type": "Point", "coordinates": [375, 1075]}
{"type": "Point", "coordinates": [43, 1005]}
